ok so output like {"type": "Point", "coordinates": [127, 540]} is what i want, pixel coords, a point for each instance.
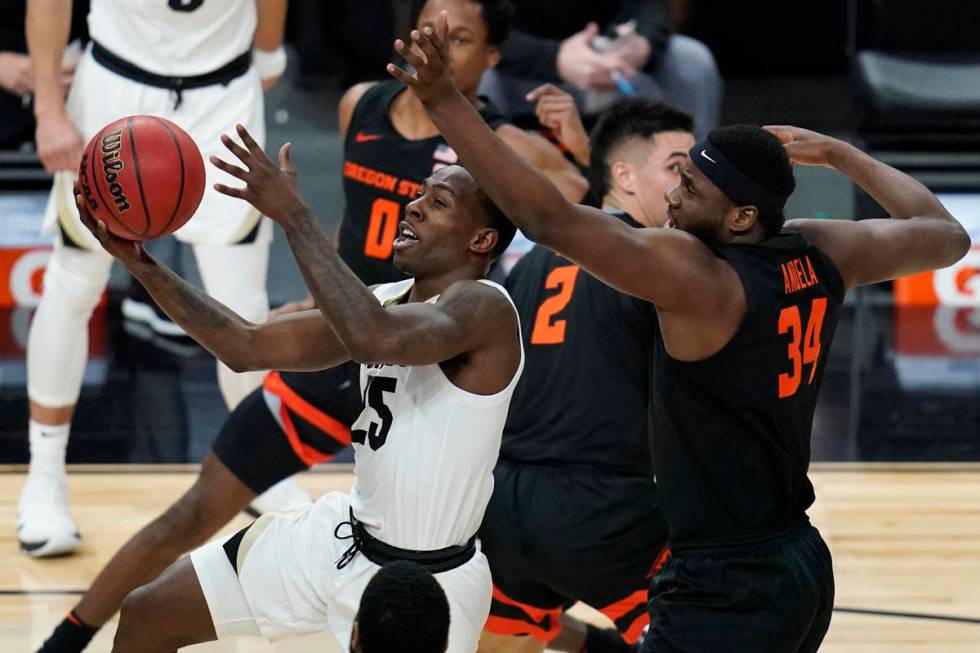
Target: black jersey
{"type": "Point", "coordinates": [582, 400]}
{"type": "Point", "coordinates": [731, 433]}
{"type": "Point", "coordinates": [382, 172]}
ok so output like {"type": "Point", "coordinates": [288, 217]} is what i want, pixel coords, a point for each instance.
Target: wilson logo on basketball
{"type": "Point", "coordinates": [111, 167]}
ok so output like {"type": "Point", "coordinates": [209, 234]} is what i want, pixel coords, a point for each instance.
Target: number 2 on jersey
{"type": "Point", "coordinates": [807, 354]}
{"type": "Point", "coordinates": [546, 330]}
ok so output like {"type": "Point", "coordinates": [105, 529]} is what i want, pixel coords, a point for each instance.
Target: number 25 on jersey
{"type": "Point", "coordinates": [804, 348]}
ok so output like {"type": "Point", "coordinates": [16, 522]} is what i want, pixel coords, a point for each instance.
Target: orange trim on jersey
{"type": "Point", "coordinates": [659, 563]}
{"type": "Point", "coordinates": [72, 618]}
{"type": "Point", "coordinates": [332, 427]}
{"type": "Point", "coordinates": [632, 634]}
{"type": "Point", "coordinates": [309, 455]}
{"type": "Point", "coordinates": [507, 626]}
{"type": "Point", "coordinates": [504, 626]}
{"type": "Point", "coordinates": [535, 613]}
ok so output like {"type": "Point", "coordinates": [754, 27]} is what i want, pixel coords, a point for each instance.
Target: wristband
{"type": "Point", "coordinates": [269, 63]}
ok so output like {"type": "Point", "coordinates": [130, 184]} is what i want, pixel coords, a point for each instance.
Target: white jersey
{"type": "Point", "coordinates": [424, 463]}
{"type": "Point", "coordinates": [178, 38]}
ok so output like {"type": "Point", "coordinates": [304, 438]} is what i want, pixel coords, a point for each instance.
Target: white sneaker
{"type": "Point", "coordinates": [44, 526]}
{"type": "Point", "coordinates": [284, 495]}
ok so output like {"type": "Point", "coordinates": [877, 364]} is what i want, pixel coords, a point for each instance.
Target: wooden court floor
{"type": "Point", "coordinates": [905, 539]}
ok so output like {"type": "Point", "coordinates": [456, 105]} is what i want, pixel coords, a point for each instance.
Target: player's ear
{"type": "Point", "coordinates": [623, 176]}
{"type": "Point", "coordinates": [744, 219]}
{"type": "Point", "coordinates": [493, 56]}
{"type": "Point", "coordinates": [484, 241]}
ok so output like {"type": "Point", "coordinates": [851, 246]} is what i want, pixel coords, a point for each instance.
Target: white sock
{"type": "Point", "coordinates": [48, 444]}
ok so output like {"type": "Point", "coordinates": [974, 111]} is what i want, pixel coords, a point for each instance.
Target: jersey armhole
{"type": "Point", "coordinates": [361, 107]}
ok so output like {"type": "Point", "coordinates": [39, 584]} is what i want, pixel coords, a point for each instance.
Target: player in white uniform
{"type": "Point", "coordinates": [189, 61]}
{"type": "Point", "coordinates": [440, 356]}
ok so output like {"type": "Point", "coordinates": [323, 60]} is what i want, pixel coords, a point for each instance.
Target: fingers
{"type": "Point", "coordinates": [254, 148]}
{"type": "Point", "coordinates": [232, 170]}
{"type": "Point", "coordinates": [545, 90]}
{"type": "Point", "coordinates": [286, 161]}
{"type": "Point", "coordinates": [238, 193]}
{"type": "Point", "coordinates": [237, 150]}
{"type": "Point", "coordinates": [424, 47]}
{"type": "Point", "coordinates": [413, 59]}
{"type": "Point", "coordinates": [400, 75]}
{"type": "Point", "coordinates": [83, 213]}
{"type": "Point", "coordinates": [784, 133]}
{"type": "Point", "coordinates": [442, 31]}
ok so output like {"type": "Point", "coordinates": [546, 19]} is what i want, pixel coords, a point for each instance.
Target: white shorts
{"type": "Point", "coordinates": [288, 582]}
{"type": "Point", "coordinates": [98, 96]}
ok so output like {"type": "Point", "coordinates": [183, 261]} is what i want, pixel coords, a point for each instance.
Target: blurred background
{"type": "Point", "coordinates": [901, 78]}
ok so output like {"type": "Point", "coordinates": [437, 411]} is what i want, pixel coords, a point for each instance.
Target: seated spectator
{"type": "Point", "coordinates": [16, 77]}
{"type": "Point", "coordinates": [402, 609]}
{"type": "Point", "coordinates": [16, 80]}
{"type": "Point", "coordinates": [602, 51]}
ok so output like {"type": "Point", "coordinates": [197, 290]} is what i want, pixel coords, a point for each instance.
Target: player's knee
{"type": "Point", "coordinates": [137, 608]}
{"type": "Point", "coordinates": [70, 294]}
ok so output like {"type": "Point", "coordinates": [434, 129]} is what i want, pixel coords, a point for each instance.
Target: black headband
{"type": "Point", "coordinates": [743, 190]}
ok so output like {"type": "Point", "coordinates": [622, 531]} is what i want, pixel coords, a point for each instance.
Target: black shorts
{"type": "Point", "coordinates": [555, 536]}
{"type": "Point", "coordinates": [773, 597]}
{"type": "Point", "coordinates": [294, 421]}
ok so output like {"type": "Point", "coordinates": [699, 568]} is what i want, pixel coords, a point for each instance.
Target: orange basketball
{"type": "Point", "coordinates": [143, 176]}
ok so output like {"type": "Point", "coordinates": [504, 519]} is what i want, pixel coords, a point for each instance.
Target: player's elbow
{"type": "Point", "coordinates": [239, 362]}
{"type": "Point", "coordinates": [366, 347]}
{"type": "Point", "coordinates": [539, 229]}
{"type": "Point", "coordinates": [244, 351]}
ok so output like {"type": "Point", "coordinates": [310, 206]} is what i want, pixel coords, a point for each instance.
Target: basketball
{"type": "Point", "coordinates": [143, 176]}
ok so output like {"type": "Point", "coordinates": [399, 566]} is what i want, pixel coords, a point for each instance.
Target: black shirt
{"type": "Point", "coordinates": [531, 51]}
{"type": "Point", "coordinates": [731, 433]}
{"type": "Point", "coordinates": [582, 400]}
{"type": "Point", "coordinates": [382, 173]}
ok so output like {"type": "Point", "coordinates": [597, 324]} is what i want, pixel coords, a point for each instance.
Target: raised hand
{"type": "Point", "coordinates": [556, 111]}
{"type": "Point", "coordinates": [270, 188]}
{"type": "Point", "coordinates": [429, 56]}
{"type": "Point", "coordinates": [807, 147]}
{"type": "Point", "coordinates": [129, 252]}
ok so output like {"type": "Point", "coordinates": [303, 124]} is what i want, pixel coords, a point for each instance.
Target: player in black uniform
{"type": "Point", "coordinates": [390, 146]}
{"type": "Point", "coordinates": [747, 310]}
{"type": "Point", "coordinates": [574, 513]}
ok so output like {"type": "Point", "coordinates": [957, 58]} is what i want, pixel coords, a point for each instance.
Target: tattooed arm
{"type": "Point", "coordinates": [466, 318]}
{"type": "Point", "coordinates": [298, 342]}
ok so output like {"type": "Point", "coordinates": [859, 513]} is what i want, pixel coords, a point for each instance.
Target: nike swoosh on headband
{"type": "Point", "coordinates": [705, 155]}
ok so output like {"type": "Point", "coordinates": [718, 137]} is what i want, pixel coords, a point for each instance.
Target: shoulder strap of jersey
{"type": "Point", "coordinates": [492, 115]}
{"type": "Point", "coordinates": [393, 293]}
{"type": "Point", "coordinates": [371, 111]}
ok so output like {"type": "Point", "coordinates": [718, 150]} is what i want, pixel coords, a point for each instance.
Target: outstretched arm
{"type": "Point", "coordinates": [921, 235]}
{"type": "Point", "coordinates": [465, 318]}
{"type": "Point", "coordinates": [663, 266]}
{"type": "Point", "coordinates": [300, 342]}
